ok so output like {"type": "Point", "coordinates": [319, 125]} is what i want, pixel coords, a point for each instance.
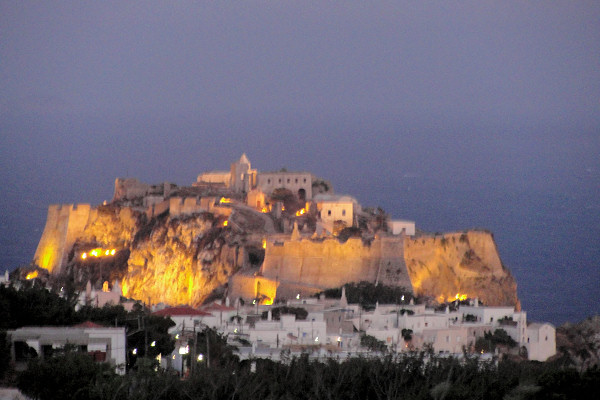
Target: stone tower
{"type": "Point", "coordinates": [243, 177]}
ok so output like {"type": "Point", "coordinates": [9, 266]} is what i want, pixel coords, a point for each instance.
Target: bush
{"type": "Point", "coordinates": [69, 376]}
{"type": "Point", "coordinates": [372, 343]}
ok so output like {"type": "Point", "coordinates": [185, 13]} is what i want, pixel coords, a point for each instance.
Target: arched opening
{"type": "Point", "coordinates": [302, 195]}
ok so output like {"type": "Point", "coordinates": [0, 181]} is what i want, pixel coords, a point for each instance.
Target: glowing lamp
{"type": "Point", "coordinates": [31, 275]}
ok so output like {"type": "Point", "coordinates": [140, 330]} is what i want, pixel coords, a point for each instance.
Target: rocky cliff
{"type": "Point", "coordinates": [182, 259]}
{"type": "Point", "coordinates": [463, 264]}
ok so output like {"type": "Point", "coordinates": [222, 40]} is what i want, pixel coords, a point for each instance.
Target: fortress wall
{"type": "Point", "coordinates": [157, 208]}
{"type": "Point", "coordinates": [392, 267]}
{"type": "Point", "coordinates": [64, 223]}
{"type": "Point", "coordinates": [185, 206]}
{"type": "Point", "coordinates": [331, 264]}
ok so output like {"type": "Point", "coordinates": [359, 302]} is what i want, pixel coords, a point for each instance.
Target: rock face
{"type": "Point", "coordinates": [465, 263]}
{"type": "Point", "coordinates": [182, 259]}
{"type": "Point", "coordinates": [579, 344]}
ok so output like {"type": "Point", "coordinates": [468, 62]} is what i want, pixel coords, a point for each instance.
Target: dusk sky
{"type": "Point", "coordinates": [364, 94]}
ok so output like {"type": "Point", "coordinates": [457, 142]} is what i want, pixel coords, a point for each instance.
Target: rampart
{"type": "Point", "coordinates": [329, 263]}
{"type": "Point", "coordinates": [64, 223]}
{"type": "Point", "coordinates": [185, 206]}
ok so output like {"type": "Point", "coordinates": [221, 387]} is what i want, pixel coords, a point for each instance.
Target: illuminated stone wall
{"type": "Point", "coordinates": [329, 263]}
{"type": "Point", "coordinates": [183, 206]}
{"type": "Point", "coordinates": [64, 224]}
{"type": "Point", "coordinates": [294, 181]}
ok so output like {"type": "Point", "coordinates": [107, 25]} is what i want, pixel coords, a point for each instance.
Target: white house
{"type": "Point", "coordinates": [186, 318]}
{"type": "Point", "coordinates": [396, 226]}
{"type": "Point", "coordinates": [331, 208]}
{"type": "Point", "coordinates": [102, 343]}
{"type": "Point", "coordinates": [541, 341]}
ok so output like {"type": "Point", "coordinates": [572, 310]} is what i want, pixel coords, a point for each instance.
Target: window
{"type": "Point", "coordinates": [304, 180]}
{"type": "Point", "coordinates": [296, 180]}
{"type": "Point", "coordinates": [288, 180]}
{"type": "Point", "coordinates": [447, 339]}
{"type": "Point", "coordinates": [343, 213]}
{"type": "Point", "coordinates": [279, 180]}
{"type": "Point", "coordinates": [268, 180]}
{"type": "Point", "coordinates": [329, 213]}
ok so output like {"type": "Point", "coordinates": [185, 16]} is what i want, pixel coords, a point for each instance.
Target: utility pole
{"type": "Point", "coordinates": [193, 361]}
{"type": "Point", "coordinates": [207, 348]}
{"type": "Point", "coordinates": [145, 337]}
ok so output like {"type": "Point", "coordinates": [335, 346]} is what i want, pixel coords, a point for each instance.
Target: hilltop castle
{"type": "Point", "coordinates": [261, 236]}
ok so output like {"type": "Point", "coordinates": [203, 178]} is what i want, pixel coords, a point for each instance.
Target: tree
{"type": "Point", "coordinates": [34, 305]}
{"type": "Point", "coordinates": [276, 312]}
{"type": "Point", "coordinates": [4, 354]}
{"type": "Point", "coordinates": [69, 376]}
{"type": "Point", "coordinates": [372, 343]}
{"type": "Point", "coordinates": [213, 347]}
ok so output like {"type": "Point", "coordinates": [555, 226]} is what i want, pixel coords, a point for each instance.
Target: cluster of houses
{"type": "Point", "coordinates": [333, 328]}
{"type": "Point", "coordinates": [327, 328]}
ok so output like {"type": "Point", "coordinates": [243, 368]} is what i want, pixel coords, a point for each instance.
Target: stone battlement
{"type": "Point", "coordinates": [64, 223]}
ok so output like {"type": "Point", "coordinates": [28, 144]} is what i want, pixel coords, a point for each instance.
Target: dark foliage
{"type": "Point", "coordinates": [414, 376]}
{"type": "Point", "coordinates": [276, 312]}
{"type": "Point", "coordinates": [33, 306]}
{"type": "Point", "coordinates": [368, 294]}
{"type": "Point", "coordinates": [69, 376]}
{"type": "Point", "coordinates": [4, 355]}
